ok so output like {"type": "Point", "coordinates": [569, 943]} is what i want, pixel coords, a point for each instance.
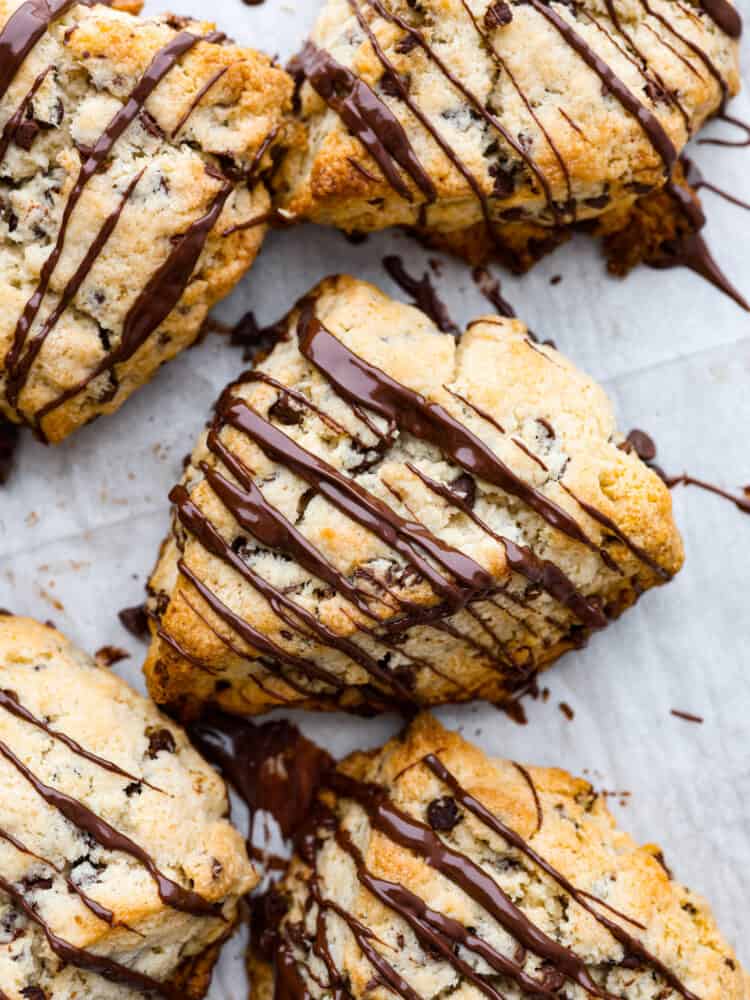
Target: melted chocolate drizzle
{"type": "Point", "coordinates": [23, 31]}
{"type": "Point", "coordinates": [423, 292]}
{"type": "Point", "coordinates": [95, 827]}
{"type": "Point", "coordinates": [459, 583]}
{"type": "Point", "coordinates": [439, 934]}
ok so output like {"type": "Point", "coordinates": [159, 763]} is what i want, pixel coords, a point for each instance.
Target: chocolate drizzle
{"type": "Point", "coordinates": [166, 287]}
{"type": "Point", "coordinates": [378, 615]}
{"type": "Point", "coordinates": [440, 935]}
{"type": "Point", "coordinates": [111, 839]}
{"type": "Point", "coordinates": [18, 363]}
{"type": "Point", "coordinates": [423, 292]}
{"type": "Point", "coordinates": [368, 117]}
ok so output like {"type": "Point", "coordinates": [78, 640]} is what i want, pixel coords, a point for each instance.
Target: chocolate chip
{"type": "Point", "coordinates": [644, 445]}
{"type": "Point", "coordinates": [443, 814]}
{"type": "Point", "coordinates": [283, 411]}
{"type": "Point", "coordinates": [498, 14]}
{"type": "Point", "coordinates": [504, 184]}
{"type": "Point", "coordinates": [134, 788]}
{"type": "Point", "coordinates": [466, 488]}
{"type": "Point", "coordinates": [135, 620]}
{"type": "Point", "coordinates": [407, 44]}
{"type": "Point", "coordinates": [33, 993]}
{"type": "Point", "coordinates": [26, 133]}
{"type": "Point", "coordinates": [160, 741]}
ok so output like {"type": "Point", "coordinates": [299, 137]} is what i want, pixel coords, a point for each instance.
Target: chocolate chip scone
{"type": "Point", "coordinates": [495, 127]}
{"type": "Point", "coordinates": [430, 870]}
{"type": "Point", "coordinates": [120, 875]}
{"type": "Point", "coordinates": [131, 197]}
{"type": "Point", "coordinates": [381, 516]}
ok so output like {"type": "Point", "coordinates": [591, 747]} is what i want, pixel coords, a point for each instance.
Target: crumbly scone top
{"type": "Point", "coordinates": [445, 113]}
{"type": "Point", "coordinates": [117, 862]}
{"type": "Point", "coordinates": [433, 871]}
{"type": "Point", "coordinates": [130, 155]}
{"type": "Point", "coordinates": [381, 514]}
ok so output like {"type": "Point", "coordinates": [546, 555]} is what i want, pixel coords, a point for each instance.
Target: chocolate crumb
{"type": "Point", "coordinates": [567, 711]}
{"type": "Point", "coordinates": [555, 279]}
{"type": "Point", "coordinates": [643, 443]}
{"type": "Point", "coordinates": [498, 15]}
{"type": "Point", "coordinates": [107, 656]}
{"type": "Point", "coordinates": [160, 741]}
{"type": "Point", "coordinates": [687, 716]}
{"type": "Point", "coordinates": [443, 814]}
{"type": "Point", "coordinates": [135, 620]}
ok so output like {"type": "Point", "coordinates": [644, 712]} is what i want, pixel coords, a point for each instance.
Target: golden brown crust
{"type": "Point", "coordinates": [218, 108]}
{"type": "Point", "coordinates": [558, 433]}
{"type": "Point", "coordinates": [577, 837]}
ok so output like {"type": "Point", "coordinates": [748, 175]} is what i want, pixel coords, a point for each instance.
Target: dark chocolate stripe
{"type": "Point", "coordinates": [154, 304]}
{"type": "Point", "coordinates": [645, 118]}
{"type": "Point", "coordinates": [265, 522]}
{"type": "Point", "coordinates": [362, 383]}
{"type": "Point", "coordinates": [632, 947]}
{"type": "Point", "coordinates": [211, 82]}
{"type": "Point", "coordinates": [106, 836]}
{"type": "Point", "coordinates": [9, 701]}
{"type": "Point", "coordinates": [437, 931]}
{"type": "Point", "coordinates": [17, 364]}
{"type": "Point", "coordinates": [522, 560]}
{"type": "Point", "coordinates": [701, 53]}
{"type": "Point", "coordinates": [479, 106]}
{"type": "Point", "coordinates": [25, 28]}
{"type": "Point", "coordinates": [107, 916]}
{"type": "Point", "coordinates": [11, 126]}
{"type": "Point", "coordinates": [286, 609]}
{"type": "Point", "coordinates": [345, 494]}
{"type": "Point", "coordinates": [415, 836]}
{"type": "Point", "coordinates": [725, 15]}
{"type": "Point", "coordinates": [86, 960]}
{"type": "Point", "coordinates": [368, 117]}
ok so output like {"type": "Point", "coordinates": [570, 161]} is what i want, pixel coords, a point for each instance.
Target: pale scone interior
{"type": "Point", "coordinates": [120, 874]}
{"type": "Point", "coordinates": [131, 199]}
{"type": "Point", "coordinates": [431, 870]}
{"type": "Point", "coordinates": [382, 515]}
{"type": "Point", "coordinates": [498, 126]}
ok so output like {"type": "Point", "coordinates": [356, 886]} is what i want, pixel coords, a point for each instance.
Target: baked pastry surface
{"type": "Point", "coordinates": [119, 871]}
{"type": "Point", "coordinates": [494, 127]}
{"type": "Point", "coordinates": [129, 149]}
{"type": "Point", "coordinates": [384, 516]}
{"type": "Point", "coordinates": [431, 870]}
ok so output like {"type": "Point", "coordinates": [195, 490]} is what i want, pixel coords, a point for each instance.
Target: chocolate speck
{"type": "Point", "coordinates": [443, 814]}
{"type": "Point", "coordinates": [160, 741]}
{"type": "Point", "coordinates": [135, 620]}
{"type": "Point", "coordinates": [644, 445]}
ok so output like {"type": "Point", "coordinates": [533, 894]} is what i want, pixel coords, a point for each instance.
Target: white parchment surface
{"type": "Point", "coordinates": [80, 524]}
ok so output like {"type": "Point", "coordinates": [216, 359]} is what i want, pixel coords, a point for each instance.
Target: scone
{"type": "Point", "coordinates": [131, 197]}
{"type": "Point", "coordinates": [120, 875]}
{"type": "Point", "coordinates": [496, 127]}
{"type": "Point", "coordinates": [431, 870]}
{"type": "Point", "coordinates": [383, 517]}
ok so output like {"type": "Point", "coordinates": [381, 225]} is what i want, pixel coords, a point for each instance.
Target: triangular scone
{"type": "Point", "coordinates": [381, 515]}
{"type": "Point", "coordinates": [431, 870]}
{"type": "Point", "coordinates": [447, 115]}
{"type": "Point", "coordinates": [120, 875]}
{"type": "Point", "coordinates": [130, 155]}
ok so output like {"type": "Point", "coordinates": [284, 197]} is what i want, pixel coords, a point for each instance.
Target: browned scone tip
{"type": "Point", "coordinates": [430, 870]}
{"type": "Point", "coordinates": [133, 153]}
{"type": "Point", "coordinates": [495, 128]}
{"type": "Point", "coordinates": [382, 516]}
{"type": "Point", "coordinates": [120, 874]}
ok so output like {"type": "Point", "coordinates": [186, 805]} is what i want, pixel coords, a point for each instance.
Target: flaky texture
{"type": "Point", "coordinates": [570, 150]}
{"type": "Point", "coordinates": [169, 803]}
{"type": "Point", "coordinates": [206, 127]}
{"type": "Point", "coordinates": [577, 838]}
{"type": "Point", "coordinates": [550, 425]}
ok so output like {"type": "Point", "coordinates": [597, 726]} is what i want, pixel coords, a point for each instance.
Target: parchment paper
{"type": "Point", "coordinates": [80, 524]}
